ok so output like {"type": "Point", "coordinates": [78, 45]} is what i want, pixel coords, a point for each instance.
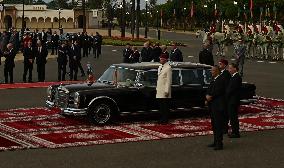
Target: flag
{"type": "Point", "coordinates": [192, 9]}
{"type": "Point", "coordinates": [161, 12]}
{"type": "Point", "coordinates": [216, 11]}
{"type": "Point", "coordinates": [174, 12]}
{"type": "Point", "coordinates": [251, 8]}
{"type": "Point", "coordinates": [245, 13]}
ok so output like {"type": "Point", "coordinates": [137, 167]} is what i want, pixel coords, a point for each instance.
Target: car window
{"type": "Point", "coordinates": [192, 76]}
{"type": "Point", "coordinates": [207, 76]}
{"type": "Point", "coordinates": [149, 78]}
{"type": "Point", "coordinates": [126, 74]}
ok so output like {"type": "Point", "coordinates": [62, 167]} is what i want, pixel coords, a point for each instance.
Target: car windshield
{"type": "Point", "coordinates": [123, 76]}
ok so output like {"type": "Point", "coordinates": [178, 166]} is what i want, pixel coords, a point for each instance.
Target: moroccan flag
{"type": "Point", "coordinates": [251, 8]}
{"type": "Point", "coordinates": [192, 9]}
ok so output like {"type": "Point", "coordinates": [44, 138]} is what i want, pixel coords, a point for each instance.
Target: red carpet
{"type": "Point", "coordinates": [32, 85]}
{"type": "Point", "coordinates": [43, 128]}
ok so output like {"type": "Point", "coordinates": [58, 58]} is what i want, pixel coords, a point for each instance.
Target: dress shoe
{"type": "Point", "coordinates": [211, 145]}
{"type": "Point", "coordinates": [234, 136]}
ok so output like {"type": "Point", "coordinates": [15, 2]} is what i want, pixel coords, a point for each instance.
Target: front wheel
{"type": "Point", "coordinates": [100, 113]}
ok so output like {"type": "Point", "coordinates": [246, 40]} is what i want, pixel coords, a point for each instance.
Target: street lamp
{"type": "Point", "coordinates": [146, 21]}
{"type": "Point", "coordinates": [23, 21]}
{"type": "Point", "coordinates": [121, 15]}
{"type": "Point", "coordinates": [84, 15]}
{"type": "Point", "coordinates": [59, 12]}
{"type": "Point", "coordinates": [184, 10]}
{"type": "Point", "coordinates": [157, 12]}
{"type": "Point", "coordinates": [132, 3]}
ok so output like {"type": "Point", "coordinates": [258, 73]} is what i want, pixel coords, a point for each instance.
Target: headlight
{"type": "Point", "coordinates": [49, 92]}
{"type": "Point", "coordinates": [77, 99]}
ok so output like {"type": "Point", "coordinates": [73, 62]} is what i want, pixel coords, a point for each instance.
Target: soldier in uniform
{"type": "Point", "coordinates": [29, 56]}
{"type": "Point", "coordinates": [240, 55]}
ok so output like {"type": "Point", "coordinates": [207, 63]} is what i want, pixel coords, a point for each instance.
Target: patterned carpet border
{"type": "Point", "coordinates": [29, 128]}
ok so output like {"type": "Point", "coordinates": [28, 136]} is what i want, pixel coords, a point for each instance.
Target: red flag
{"type": "Point", "coordinates": [161, 12]}
{"type": "Point", "coordinates": [251, 8]}
{"type": "Point", "coordinates": [192, 9]}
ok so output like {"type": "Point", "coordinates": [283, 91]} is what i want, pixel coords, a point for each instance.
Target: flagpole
{"type": "Point", "coordinates": [161, 18]}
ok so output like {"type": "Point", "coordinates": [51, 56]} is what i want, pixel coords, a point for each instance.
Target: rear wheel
{"type": "Point", "coordinates": [100, 113]}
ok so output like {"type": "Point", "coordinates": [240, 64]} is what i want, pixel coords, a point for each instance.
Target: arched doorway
{"type": "Point", "coordinates": [80, 21]}
{"type": "Point", "coordinates": [8, 21]}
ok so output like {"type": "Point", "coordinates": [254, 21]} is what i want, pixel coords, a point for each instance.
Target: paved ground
{"type": "Point", "coordinates": [253, 150]}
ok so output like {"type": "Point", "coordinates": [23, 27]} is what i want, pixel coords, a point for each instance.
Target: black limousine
{"type": "Point", "coordinates": [132, 88]}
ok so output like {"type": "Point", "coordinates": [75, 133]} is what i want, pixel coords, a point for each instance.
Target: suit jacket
{"type": "Point", "coordinates": [176, 56]}
{"type": "Point", "coordinates": [10, 57]}
{"type": "Point", "coordinates": [62, 55]}
{"type": "Point", "coordinates": [233, 90]}
{"type": "Point", "coordinates": [126, 55]}
{"type": "Point", "coordinates": [206, 57]}
{"type": "Point", "coordinates": [41, 55]}
{"type": "Point", "coordinates": [146, 54]}
{"type": "Point", "coordinates": [217, 91]}
{"type": "Point", "coordinates": [74, 54]}
{"type": "Point", "coordinates": [226, 76]}
{"type": "Point", "coordinates": [156, 53]}
{"type": "Point", "coordinates": [164, 82]}
{"type": "Point", "coordinates": [29, 53]}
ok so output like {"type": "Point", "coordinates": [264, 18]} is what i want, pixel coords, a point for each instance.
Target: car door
{"type": "Point", "coordinates": [193, 90]}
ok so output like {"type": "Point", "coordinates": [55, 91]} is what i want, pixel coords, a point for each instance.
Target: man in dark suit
{"type": "Point", "coordinates": [41, 55]}
{"type": "Point", "coordinates": [9, 62]}
{"type": "Point", "coordinates": [233, 99]}
{"type": "Point", "coordinates": [74, 54]}
{"type": "Point", "coordinates": [215, 101]}
{"type": "Point", "coordinates": [156, 52]}
{"type": "Point", "coordinates": [205, 56]}
{"type": "Point", "coordinates": [98, 39]}
{"type": "Point", "coordinates": [29, 56]}
{"type": "Point", "coordinates": [176, 54]}
{"type": "Point", "coordinates": [226, 76]}
{"type": "Point", "coordinates": [85, 44]}
{"type": "Point", "coordinates": [127, 52]}
{"type": "Point", "coordinates": [146, 53]}
{"type": "Point", "coordinates": [62, 61]}
{"type": "Point", "coordinates": [54, 43]}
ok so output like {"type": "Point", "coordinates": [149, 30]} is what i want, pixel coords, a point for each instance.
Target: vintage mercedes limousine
{"type": "Point", "coordinates": [132, 88]}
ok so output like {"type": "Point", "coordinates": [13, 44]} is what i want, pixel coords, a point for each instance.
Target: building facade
{"type": "Point", "coordinates": [38, 16]}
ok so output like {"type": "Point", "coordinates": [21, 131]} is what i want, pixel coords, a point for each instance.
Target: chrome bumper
{"type": "Point", "coordinates": [67, 111]}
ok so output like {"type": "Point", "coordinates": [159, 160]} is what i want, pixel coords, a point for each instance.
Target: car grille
{"type": "Point", "coordinates": [61, 98]}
